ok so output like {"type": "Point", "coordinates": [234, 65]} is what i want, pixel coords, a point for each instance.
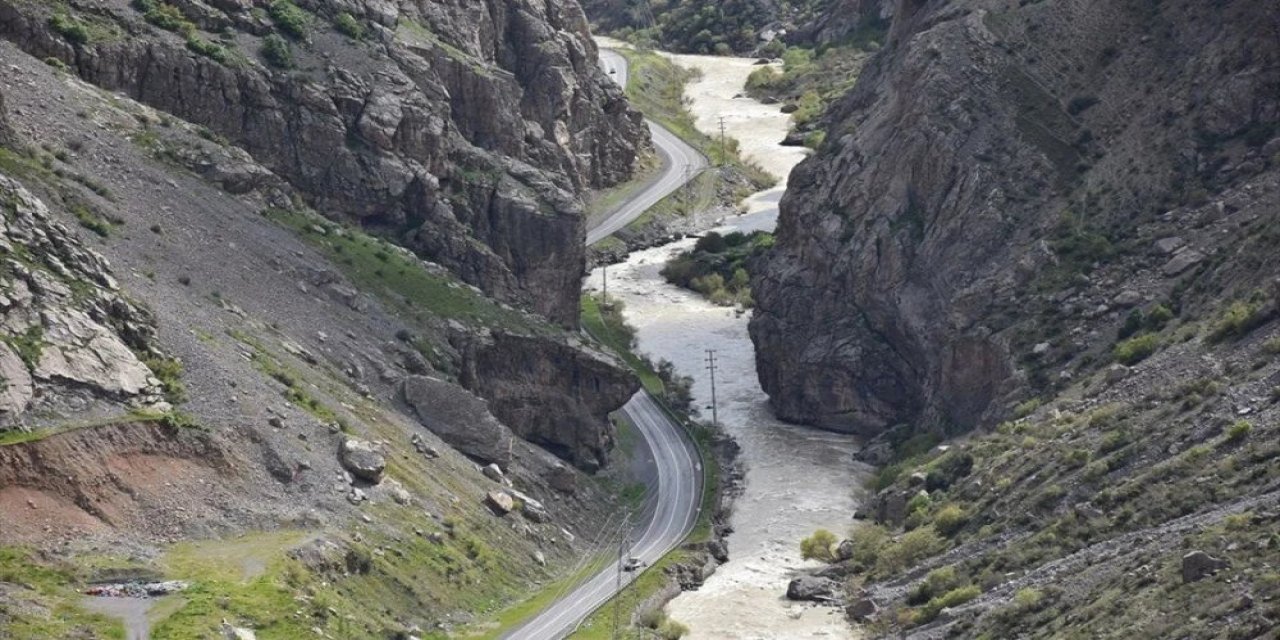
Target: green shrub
{"type": "Point", "coordinates": [912, 547]}
{"type": "Point", "coordinates": [1135, 350]}
{"type": "Point", "coordinates": [73, 30]}
{"type": "Point", "coordinates": [1238, 320]}
{"type": "Point", "coordinates": [290, 19]}
{"type": "Point", "coordinates": [1026, 408]}
{"type": "Point", "coordinates": [1272, 346]}
{"type": "Point", "coordinates": [165, 16]}
{"type": "Point", "coordinates": [868, 540]}
{"type": "Point", "coordinates": [953, 598]}
{"type": "Point", "coordinates": [207, 49]}
{"type": "Point", "coordinates": [347, 25]}
{"type": "Point", "coordinates": [814, 139]}
{"type": "Point", "coordinates": [169, 372]}
{"type": "Point", "coordinates": [672, 630]}
{"type": "Point", "coordinates": [818, 546]}
{"type": "Point", "coordinates": [950, 519]}
{"type": "Point", "coordinates": [936, 583]}
{"type": "Point", "coordinates": [652, 619]}
{"type": "Point", "coordinates": [276, 52]}
{"type": "Point", "coordinates": [919, 503]}
{"type": "Point", "coordinates": [1239, 431]}
{"type": "Point", "coordinates": [1028, 598]}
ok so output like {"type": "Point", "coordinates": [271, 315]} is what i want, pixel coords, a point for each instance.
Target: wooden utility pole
{"type": "Point", "coordinates": [604, 276]}
{"type": "Point", "coordinates": [624, 547]}
{"type": "Point", "coordinates": [724, 151]}
{"type": "Point", "coordinates": [711, 366]}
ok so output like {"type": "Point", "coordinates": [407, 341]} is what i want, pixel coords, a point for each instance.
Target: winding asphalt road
{"type": "Point", "coordinates": [680, 163]}
{"type": "Point", "coordinates": [672, 512]}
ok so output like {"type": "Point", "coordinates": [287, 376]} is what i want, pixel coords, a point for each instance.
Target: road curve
{"type": "Point", "coordinates": [680, 163]}
{"type": "Point", "coordinates": [671, 516]}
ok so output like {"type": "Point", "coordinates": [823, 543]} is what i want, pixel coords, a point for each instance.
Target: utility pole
{"type": "Point", "coordinates": [624, 547]}
{"type": "Point", "coordinates": [724, 152]}
{"type": "Point", "coordinates": [687, 187]}
{"type": "Point", "coordinates": [604, 276]}
{"type": "Point", "coordinates": [711, 366]}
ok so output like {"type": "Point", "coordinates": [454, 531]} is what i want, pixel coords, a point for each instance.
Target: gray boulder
{"type": "Point", "coordinates": [1199, 565]}
{"type": "Point", "coordinates": [811, 588]}
{"type": "Point", "coordinates": [363, 460]}
{"type": "Point", "coordinates": [500, 501]}
{"type": "Point", "coordinates": [459, 417]}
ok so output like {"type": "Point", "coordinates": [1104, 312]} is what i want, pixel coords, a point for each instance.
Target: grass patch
{"type": "Point", "coordinates": [399, 278]}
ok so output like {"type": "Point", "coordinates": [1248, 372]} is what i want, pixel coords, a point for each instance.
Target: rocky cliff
{"type": "Point", "coordinates": [988, 160]}
{"type": "Point", "coordinates": [1049, 226]}
{"type": "Point", "coordinates": [464, 130]}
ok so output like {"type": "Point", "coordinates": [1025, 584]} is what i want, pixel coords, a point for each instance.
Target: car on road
{"type": "Point", "coordinates": [632, 564]}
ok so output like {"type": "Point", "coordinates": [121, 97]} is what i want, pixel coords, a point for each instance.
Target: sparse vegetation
{"type": "Point", "coordinates": [290, 19]}
{"type": "Point", "coordinates": [276, 51]}
{"type": "Point", "coordinates": [70, 28]}
{"type": "Point", "coordinates": [1135, 350]}
{"type": "Point", "coordinates": [347, 25]}
{"type": "Point", "coordinates": [1239, 319]}
{"type": "Point", "coordinates": [818, 546]}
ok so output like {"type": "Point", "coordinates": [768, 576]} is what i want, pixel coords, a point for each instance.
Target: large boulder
{"type": "Point", "coordinates": [363, 460]}
{"type": "Point", "coordinates": [811, 588]}
{"type": "Point", "coordinates": [500, 501]}
{"type": "Point", "coordinates": [1199, 565]}
{"type": "Point", "coordinates": [459, 418]}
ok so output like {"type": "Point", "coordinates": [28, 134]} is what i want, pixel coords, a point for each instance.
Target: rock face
{"type": "Point", "coordinates": [63, 323]}
{"type": "Point", "coordinates": [940, 231]}
{"type": "Point", "coordinates": [553, 393]}
{"type": "Point", "coordinates": [464, 129]}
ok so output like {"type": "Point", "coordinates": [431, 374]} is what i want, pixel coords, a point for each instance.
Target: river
{"type": "Point", "coordinates": [797, 479]}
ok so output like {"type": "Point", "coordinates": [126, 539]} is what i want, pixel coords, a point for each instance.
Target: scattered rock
{"type": "Point", "coordinates": [1127, 298]}
{"type": "Point", "coordinates": [845, 549]}
{"type": "Point", "coordinates": [1041, 348]}
{"type": "Point", "coordinates": [1199, 565]}
{"type": "Point", "coordinates": [1116, 373]}
{"type": "Point", "coordinates": [811, 588]}
{"type": "Point", "coordinates": [718, 550]}
{"type": "Point", "coordinates": [539, 558]}
{"type": "Point", "coordinates": [493, 472]}
{"type": "Point", "coordinates": [237, 633]}
{"type": "Point", "coordinates": [363, 460]}
{"type": "Point", "coordinates": [1169, 245]}
{"type": "Point", "coordinates": [534, 512]}
{"type": "Point", "coordinates": [1182, 261]}
{"type": "Point", "coordinates": [562, 479]}
{"type": "Point", "coordinates": [862, 610]}
{"type": "Point", "coordinates": [500, 501]}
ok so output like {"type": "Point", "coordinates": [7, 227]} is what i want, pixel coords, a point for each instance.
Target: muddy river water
{"type": "Point", "coordinates": [797, 479]}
